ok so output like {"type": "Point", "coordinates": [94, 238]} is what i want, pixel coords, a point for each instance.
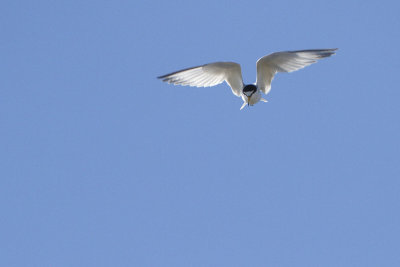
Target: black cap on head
{"type": "Point", "coordinates": [249, 88]}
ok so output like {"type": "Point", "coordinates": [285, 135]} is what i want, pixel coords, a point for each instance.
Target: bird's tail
{"type": "Point", "coordinates": [244, 104]}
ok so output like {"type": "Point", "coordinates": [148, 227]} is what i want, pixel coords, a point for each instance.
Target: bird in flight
{"type": "Point", "coordinates": [215, 73]}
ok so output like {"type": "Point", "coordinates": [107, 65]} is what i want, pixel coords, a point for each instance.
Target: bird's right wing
{"type": "Point", "coordinates": [209, 75]}
{"type": "Point", "coordinates": [287, 61]}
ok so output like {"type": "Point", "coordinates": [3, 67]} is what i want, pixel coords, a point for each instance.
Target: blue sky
{"type": "Point", "coordinates": [104, 165]}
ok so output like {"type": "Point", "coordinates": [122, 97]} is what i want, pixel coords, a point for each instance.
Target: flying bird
{"type": "Point", "coordinates": [215, 73]}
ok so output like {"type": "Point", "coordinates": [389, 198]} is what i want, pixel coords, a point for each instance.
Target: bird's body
{"type": "Point", "coordinates": [215, 73]}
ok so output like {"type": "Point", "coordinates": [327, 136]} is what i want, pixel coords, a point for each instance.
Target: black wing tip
{"type": "Point", "coordinates": [327, 51]}
{"type": "Point", "coordinates": [320, 53]}
{"type": "Point", "coordinates": [165, 79]}
{"type": "Point", "coordinates": [175, 72]}
{"type": "Point", "coordinates": [316, 50]}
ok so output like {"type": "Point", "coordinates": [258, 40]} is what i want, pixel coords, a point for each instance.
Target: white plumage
{"type": "Point", "coordinates": [215, 73]}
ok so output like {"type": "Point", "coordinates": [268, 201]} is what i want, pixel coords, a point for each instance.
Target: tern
{"type": "Point", "coordinates": [215, 73]}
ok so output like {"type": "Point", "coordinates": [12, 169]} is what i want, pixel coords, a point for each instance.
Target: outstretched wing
{"type": "Point", "coordinates": [209, 75]}
{"type": "Point", "coordinates": [287, 61]}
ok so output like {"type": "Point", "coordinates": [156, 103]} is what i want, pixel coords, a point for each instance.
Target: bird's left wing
{"type": "Point", "coordinates": [209, 75]}
{"type": "Point", "coordinates": [287, 61]}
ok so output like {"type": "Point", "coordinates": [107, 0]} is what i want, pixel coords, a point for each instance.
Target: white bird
{"type": "Point", "coordinates": [215, 73]}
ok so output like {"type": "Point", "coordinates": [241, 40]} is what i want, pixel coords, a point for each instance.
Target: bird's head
{"type": "Point", "coordinates": [249, 90]}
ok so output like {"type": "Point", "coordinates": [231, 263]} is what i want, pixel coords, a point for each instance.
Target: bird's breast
{"type": "Point", "coordinates": [253, 99]}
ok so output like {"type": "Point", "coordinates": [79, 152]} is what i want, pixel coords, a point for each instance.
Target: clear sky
{"type": "Point", "coordinates": [102, 164]}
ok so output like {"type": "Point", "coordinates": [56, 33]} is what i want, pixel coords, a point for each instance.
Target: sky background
{"type": "Point", "coordinates": [101, 164]}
